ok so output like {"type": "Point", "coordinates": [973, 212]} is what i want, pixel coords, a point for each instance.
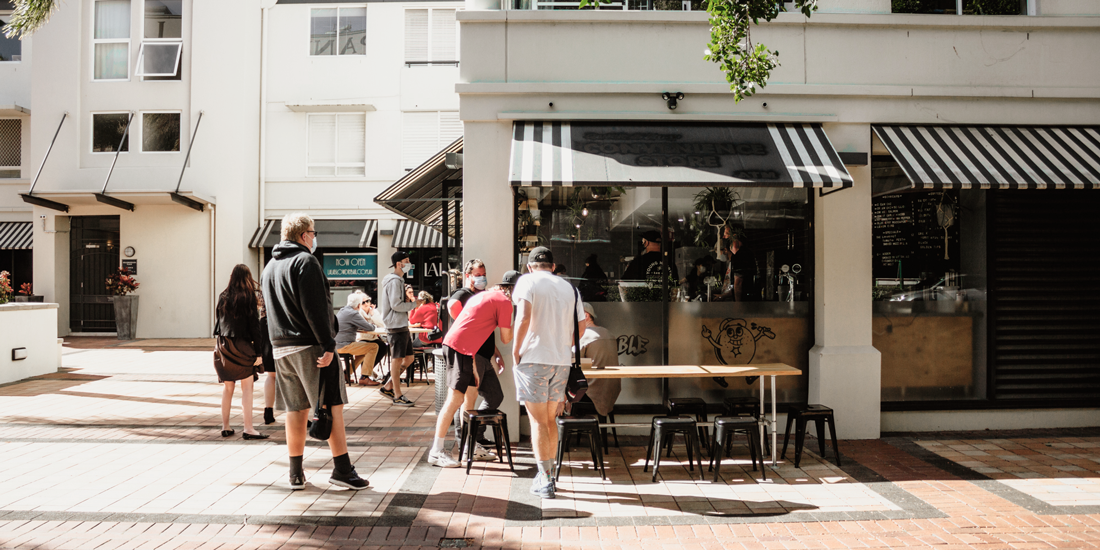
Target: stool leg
{"type": "Point", "coordinates": [603, 431]}
{"type": "Point", "coordinates": [497, 429]}
{"type": "Point", "coordinates": [461, 440]}
{"type": "Point", "coordinates": [594, 448]}
{"type": "Point", "coordinates": [689, 435]}
{"type": "Point", "coordinates": [470, 442]}
{"type": "Point", "coordinates": [614, 431]}
{"type": "Point", "coordinates": [661, 436]}
{"type": "Point", "coordinates": [755, 443]}
{"type": "Point", "coordinates": [819, 423]}
{"type": "Point", "coordinates": [562, 436]}
{"type": "Point", "coordinates": [649, 449]}
{"type": "Point", "coordinates": [599, 456]}
{"type": "Point", "coordinates": [786, 432]}
{"type": "Point", "coordinates": [507, 441]}
{"type": "Point", "coordinates": [799, 438]}
{"type": "Point", "coordinates": [698, 454]}
{"type": "Point", "coordinates": [717, 454]}
{"type": "Point", "coordinates": [704, 432]}
{"type": "Point", "coordinates": [832, 433]}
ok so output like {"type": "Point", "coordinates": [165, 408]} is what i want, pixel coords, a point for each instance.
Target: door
{"type": "Point", "coordinates": [93, 250]}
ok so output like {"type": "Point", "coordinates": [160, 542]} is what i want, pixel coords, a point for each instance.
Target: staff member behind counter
{"type": "Point", "coordinates": [740, 267]}
{"type": "Point", "coordinates": [647, 266]}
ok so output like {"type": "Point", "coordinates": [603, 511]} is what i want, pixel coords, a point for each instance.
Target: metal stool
{"type": "Point", "coordinates": [745, 406]}
{"type": "Point", "coordinates": [420, 363]}
{"type": "Point", "coordinates": [660, 434]}
{"type": "Point", "coordinates": [581, 425]}
{"type": "Point", "coordinates": [471, 420]}
{"type": "Point", "coordinates": [347, 362]}
{"type": "Point", "coordinates": [584, 408]}
{"type": "Point", "coordinates": [691, 405]}
{"type": "Point", "coordinates": [820, 415]}
{"type": "Point", "coordinates": [724, 429]}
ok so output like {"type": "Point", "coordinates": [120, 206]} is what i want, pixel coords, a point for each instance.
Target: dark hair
{"type": "Point", "coordinates": [239, 298]}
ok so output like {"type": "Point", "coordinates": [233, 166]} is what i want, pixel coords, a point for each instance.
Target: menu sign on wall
{"type": "Point", "coordinates": [906, 230]}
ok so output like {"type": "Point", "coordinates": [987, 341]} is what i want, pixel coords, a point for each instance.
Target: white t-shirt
{"type": "Point", "coordinates": [549, 338]}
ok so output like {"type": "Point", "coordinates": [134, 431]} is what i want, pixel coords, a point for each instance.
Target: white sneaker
{"type": "Point", "coordinates": [484, 455]}
{"type": "Point", "coordinates": [442, 459]}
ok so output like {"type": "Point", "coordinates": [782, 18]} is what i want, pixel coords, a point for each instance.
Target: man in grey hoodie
{"type": "Point", "coordinates": [395, 307]}
{"type": "Point", "coordinates": [300, 323]}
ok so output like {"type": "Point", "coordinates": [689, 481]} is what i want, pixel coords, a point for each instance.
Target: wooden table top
{"type": "Point", "coordinates": [413, 330]}
{"type": "Point", "coordinates": [692, 371]}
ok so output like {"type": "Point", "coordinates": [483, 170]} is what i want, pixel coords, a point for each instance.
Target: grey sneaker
{"type": "Point", "coordinates": [543, 486]}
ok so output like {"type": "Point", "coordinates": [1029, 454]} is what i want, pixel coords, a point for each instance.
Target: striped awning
{"type": "Point", "coordinates": [16, 236]}
{"type": "Point", "coordinates": [331, 233]}
{"type": "Point", "coordinates": [685, 154]}
{"type": "Point", "coordinates": [995, 157]}
{"type": "Point", "coordinates": [422, 194]}
{"type": "Point", "coordinates": [410, 234]}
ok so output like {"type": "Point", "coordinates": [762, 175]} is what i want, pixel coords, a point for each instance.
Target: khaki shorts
{"type": "Point", "coordinates": [298, 381]}
{"type": "Point", "coordinates": [538, 383]}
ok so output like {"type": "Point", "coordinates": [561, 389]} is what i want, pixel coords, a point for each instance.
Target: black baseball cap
{"type": "Point", "coordinates": [652, 236]}
{"type": "Point", "coordinates": [539, 255]}
{"type": "Point", "coordinates": [397, 257]}
{"type": "Point", "coordinates": [510, 278]}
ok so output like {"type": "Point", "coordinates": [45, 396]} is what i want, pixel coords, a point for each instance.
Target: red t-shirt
{"type": "Point", "coordinates": [427, 315]}
{"type": "Point", "coordinates": [481, 315]}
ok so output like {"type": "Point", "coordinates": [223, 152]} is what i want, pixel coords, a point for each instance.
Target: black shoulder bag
{"type": "Point", "coordinates": [577, 385]}
{"type": "Point", "coordinates": [320, 426]}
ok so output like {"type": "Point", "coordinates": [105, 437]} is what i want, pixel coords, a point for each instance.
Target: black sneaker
{"type": "Point", "coordinates": [349, 480]}
{"type": "Point", "coordinates": [297, 482]}
{"type": "Point", "coordinates": [486, 443]}
{"type": "Point", "coordinates": [403, 402]}
{"type": "Point", "coordinates": [385, 392]}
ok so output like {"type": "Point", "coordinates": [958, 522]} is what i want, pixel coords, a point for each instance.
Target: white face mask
{"type": "Point", "coordinates": [406, 268]}
{"type": "Point", "coordinates": [722, 257]}
{"type": "Point", "coordinates": [481, 282]}
{"type": "Point", "coordinates": [313, 247]}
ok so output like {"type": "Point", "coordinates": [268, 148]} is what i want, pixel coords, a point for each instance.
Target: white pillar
{"type": "Point", "coordinates": [845, 370]}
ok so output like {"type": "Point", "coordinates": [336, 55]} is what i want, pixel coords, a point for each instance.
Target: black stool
{"type": "Point", "coordinates": [471, 420]}
{"type": "Point", "coordinates": [581, 425]}
{"type": "Point", "coordinates": [587, 407]}
{"type": "Point", "coordinates": [691, 405]}
{"type": "Point", "coordinates": [820, 415]}
{"type": "Point", "coordinates": [724, 429]}
{"type": "Point", "coordinates": [347, 361]}
{"type": "Point", "coordinates": [660, 434]}
{"type": "Point", "coordinates": [745, 406]}
{"type": "Point", "coordinates": [419, 363]}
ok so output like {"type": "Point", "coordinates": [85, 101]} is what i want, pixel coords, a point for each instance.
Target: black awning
{"type": "Point", "coordinates": [419, 195]}
{"type": "Point", "coordinates": [686, 154]}
{"type": "Point", "coordinates": [331, 233]}
{"type": "Point", "coordinates": [994, 157]}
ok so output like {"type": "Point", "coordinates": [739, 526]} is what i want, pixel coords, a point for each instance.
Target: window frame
{"type": "Point", "coordinates": [336, 164]}
{"type": "Point", "coordinates": [128, 41]}
{"type": "Point", "coordinates": [91, 132]}
{"type": "Point", "coordinates": [6, 14]}
{"type": "Point", "coordinates": [159, 77]}
{"type": "Point", "coordinates": [430, 62]}
{"type": "Point", "coordinates": [141, 137]}
{"type": "Point", "coordinates": [336, 43]}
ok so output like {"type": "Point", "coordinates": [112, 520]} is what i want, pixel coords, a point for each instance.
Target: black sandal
{"type": "Point", "coordinates": [255, 436]}
{"type": "Point", "coordinates": [227, 433]}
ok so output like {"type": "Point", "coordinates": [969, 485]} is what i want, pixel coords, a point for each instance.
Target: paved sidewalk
{"type": "Point", "coordinates": [123, 450]}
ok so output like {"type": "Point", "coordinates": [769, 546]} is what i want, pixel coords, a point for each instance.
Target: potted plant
{"type": "Point", "coordinates": [5, 287]}
{"type": "Point", "coordinates": [120, 284]}
{"type": "Point", "coordinates": [26, 294]}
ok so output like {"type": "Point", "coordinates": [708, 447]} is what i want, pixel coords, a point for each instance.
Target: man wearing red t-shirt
{"type": "Point", "coordinates": [481, 315]}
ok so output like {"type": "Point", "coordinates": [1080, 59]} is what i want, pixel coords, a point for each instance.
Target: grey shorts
{"type": "Point", "coordinates": [298, 381]}
{"type": "Point", "coordinates": [538, 383]}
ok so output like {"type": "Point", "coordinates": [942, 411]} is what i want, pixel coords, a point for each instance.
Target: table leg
{"type": "Point", "coordinates": [763, 421]}
{"type": "Point", "coordinates": [774, 427]}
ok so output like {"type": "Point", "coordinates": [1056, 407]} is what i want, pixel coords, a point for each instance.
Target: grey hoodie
{"type": "Point", "coordinates": [299, 306]}
{"type": "Point", "coordinates": [391, 301]}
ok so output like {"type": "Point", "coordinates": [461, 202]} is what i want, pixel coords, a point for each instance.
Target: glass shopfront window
{"type": "Point", "coordinates": [730, 285]}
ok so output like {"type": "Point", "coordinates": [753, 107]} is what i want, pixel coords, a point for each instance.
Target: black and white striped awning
{"type": "Point", "coordinates": [685, 154]}
{"type": "Point", "coordinates": [16, 236]}
{"type": "Point", "coordinates": [410, 234]}
{"type": "Point", "coordinates": [331, 233]}
{"type": "Point", "coordinates": [995, 157]}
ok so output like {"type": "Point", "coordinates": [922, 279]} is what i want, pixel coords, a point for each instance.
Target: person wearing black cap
{"type": "Point", "coordinates": [647, 266]}
{"type": "Point", "coordinates": [395, 307]}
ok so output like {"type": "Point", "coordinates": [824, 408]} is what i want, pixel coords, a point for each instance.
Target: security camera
{"type": "Point", "coordinates": [671, 98]}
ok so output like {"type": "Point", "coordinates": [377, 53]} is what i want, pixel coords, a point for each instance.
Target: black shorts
{"type": "Point", "coordinates": [400, 344]}
{"type": "Point", "coordinates": [460, 370]}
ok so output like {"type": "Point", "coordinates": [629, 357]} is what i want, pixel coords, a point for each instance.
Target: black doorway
{"type": "Point", "coordinates": [93, 255]}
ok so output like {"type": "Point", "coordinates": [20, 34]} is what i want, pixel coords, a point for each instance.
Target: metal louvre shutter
{"type": "Point", "coordinates": [1044, 295]}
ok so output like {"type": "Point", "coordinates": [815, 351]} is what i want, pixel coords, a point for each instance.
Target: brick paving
{"type": "Point", "coordinates": [122, 450]}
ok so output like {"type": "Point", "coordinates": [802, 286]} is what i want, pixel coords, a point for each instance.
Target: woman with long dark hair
{"type": "Point", "coordinates": [238, 346]}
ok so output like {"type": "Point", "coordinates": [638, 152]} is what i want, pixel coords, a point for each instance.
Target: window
{"type": "Point", "coordinates": [10, 48]}
{"type": "Point", "coordinates": [107, 132]}
{"type": "Point", "coordinates": [967, 7]}
{"type": "Point", "coordinates": [425, 134]}
{"type": "Point", "coordinates": [338, 31]}
{"type": "Point", "coordinates": [337, 145]}
{"type": "Point", "coordinates": [430, 37]}
{"type": "Point", "coordinates": [162, 40]}
{"type": "Point", "coordinates": [111, 40]}
{"type": "Point", "coordinates": [11, 138]}
{"type": "Point", "coordinates": [160, 132]}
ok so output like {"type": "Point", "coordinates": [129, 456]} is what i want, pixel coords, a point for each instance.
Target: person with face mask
{"type": "Point", "coordinates": [647, 265]}
{"type": "Point", "coordinates": [395, 307]}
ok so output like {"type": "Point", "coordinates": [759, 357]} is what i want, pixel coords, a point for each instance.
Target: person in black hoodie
{"type": "Point", "coordinates": [238, 346]}
{"type": "Point", "coordinates": [302, 329]}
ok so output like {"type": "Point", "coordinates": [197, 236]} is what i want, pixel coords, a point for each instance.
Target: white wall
{"type": "Point", "coordinates": [29, 326]}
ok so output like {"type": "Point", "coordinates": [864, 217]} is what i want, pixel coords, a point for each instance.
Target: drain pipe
{"type": "Point", "coordinates": [262, 207]}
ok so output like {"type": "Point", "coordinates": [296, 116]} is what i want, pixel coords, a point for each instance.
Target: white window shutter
{"type": "Point", "coordinates": [444, 31]}
{"type": "Point", "coordinates": [322, 144]}
{"type": "Point", "coordinates": [351, 144]}
{"type": "Point", "coordinates": [416, 35]}
{"type": "Point", "coordinates": [450, 128]}
{"type": "Point", "coordinates": [419, 138]}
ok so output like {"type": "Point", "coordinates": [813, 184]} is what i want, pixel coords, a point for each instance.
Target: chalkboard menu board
{"type": "Point", "coordinates": [907, 230]}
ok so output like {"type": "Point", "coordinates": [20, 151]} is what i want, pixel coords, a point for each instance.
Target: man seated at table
{"type": "Point", "coordinates": [602, 348]}
{"type": "Point", "coordinates": [352, 318]}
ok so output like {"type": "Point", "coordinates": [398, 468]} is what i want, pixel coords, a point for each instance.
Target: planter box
{"type": "Point", "coordinates": [31, 329]}
{"type": "Point", "coordinates": [32, 298]}
{"type": "Point", "coordinates": [126, 314]}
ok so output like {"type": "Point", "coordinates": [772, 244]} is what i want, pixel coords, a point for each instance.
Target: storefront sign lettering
{"type": "Point", "coordinates": [735, 341]}
{"type": "Point", "coordinates": [756, 175]}
{"type": "Point", "coordinates": [351, 266]}
{"type": "Point", "coordinates": [662, 151]}
{"type": "Point", "coordinates": [632, 344]}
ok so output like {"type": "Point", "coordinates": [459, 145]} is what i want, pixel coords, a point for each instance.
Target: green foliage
{"type": "Point", "coordinates": [747, 66]}
{"type": "Point", "coordinates": [29, 16]}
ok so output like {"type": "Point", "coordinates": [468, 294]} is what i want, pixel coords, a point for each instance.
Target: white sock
{"type": "Point", "coordinates": [437, 445]}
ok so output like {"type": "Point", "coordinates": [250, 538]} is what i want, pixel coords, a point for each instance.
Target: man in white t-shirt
{"type": "Point", "coordinates": [542, 354]}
